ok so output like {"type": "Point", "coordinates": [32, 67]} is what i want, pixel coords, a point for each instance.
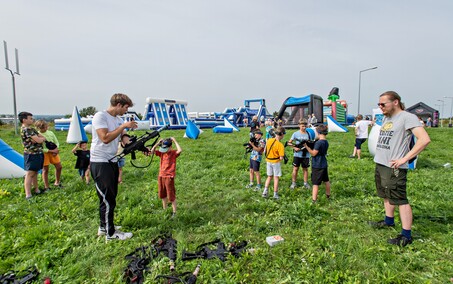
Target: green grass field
{"type": "Point", "coordinates": [330, 242]}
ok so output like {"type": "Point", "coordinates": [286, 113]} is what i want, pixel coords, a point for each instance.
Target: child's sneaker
{"type": "Point", "coordinates": [293, 186]}
{"type": "Point", "coordinates": [250, 185]}
{"type": "Point", "coordinates": [276, 197]}
{"type": "Point", "coordinates": [306, 185]}
{"type": "Point", "coordinates": [118, 235]}
{"type": "Point", "coordinates": [258, 187]}
{"type": "Point", "coordinates": [265, 193]}
{"type": "Point", "coordinates": [102, 231]}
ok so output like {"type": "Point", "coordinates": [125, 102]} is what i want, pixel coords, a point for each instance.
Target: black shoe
{"type": "Point", "coordinates": [381, 224]}
{"type": "Point", "coordinates": [400, 240]}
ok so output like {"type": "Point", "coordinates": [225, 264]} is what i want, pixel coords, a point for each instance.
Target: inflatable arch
{"type": "Point", "coordinates": [293, 109]}
{"type": "Point", "coordinates": [161, 112]}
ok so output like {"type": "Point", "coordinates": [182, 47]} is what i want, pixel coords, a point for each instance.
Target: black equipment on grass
{"type": "Point", "coordinates": [139, 259]}
{"type": "Point", "coordinates": [142, 256]}
{"type": "Point", "coordinates": [167, 245]}
{"type": "Point", "coordinates": [185, 277]}
{"type": "Point", "coordinates": [221, 251]}
{"type": "Point", "coordinates": [12, 278]}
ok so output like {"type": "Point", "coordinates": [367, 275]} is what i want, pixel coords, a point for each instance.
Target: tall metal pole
{"type": "Point", "coordinates": [14, 80]}
{"type": "Point", "coordinates": [442, 112]}
{"type": "Point", "coordinates": [360, 81]}
{"type": "Point", "coordinates": [451, 110]}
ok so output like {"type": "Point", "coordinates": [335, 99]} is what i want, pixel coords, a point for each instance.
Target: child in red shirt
{"type": "Point", "coordinates": [167, 171]}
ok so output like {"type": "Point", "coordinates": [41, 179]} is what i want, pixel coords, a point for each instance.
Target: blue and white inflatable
{"type": "Point", "coordinates": [192, 130]}
{"type": "Point", "coordinates": [76, 132]}
{"type": "Point", "coordinates": [11, 162]}
{"type": "Point", "coordinates": [228, 123]}
{"type": "Point", "coordinates": [334, 126]}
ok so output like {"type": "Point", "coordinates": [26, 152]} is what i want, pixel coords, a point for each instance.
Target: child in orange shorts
{"type": "Point", "coordinates": [167, 171]}
{"type": "Point", "coordinates": [51, 155]}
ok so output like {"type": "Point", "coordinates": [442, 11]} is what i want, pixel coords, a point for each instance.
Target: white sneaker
{"type": "Point", "coordinates": [293, 186]}
{"type": "Point", "coordinates": [265, 193]}
{"type": "Point", "coordinates": [306, 185]}
{"type": "Point", "coordinates": [118, 235]}
{"type": "Point", "coordinates": [250, 185]}
{"type": "Point", "coordinates": [276, 196]}
{"type": "Point", "coordinates": [102, 232]}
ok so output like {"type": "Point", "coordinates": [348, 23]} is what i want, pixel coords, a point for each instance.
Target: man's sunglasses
{"type": "Point", "coordinates": [383, 104]}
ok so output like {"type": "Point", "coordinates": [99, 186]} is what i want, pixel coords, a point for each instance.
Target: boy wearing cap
{"type": "Point", "coordinates": [167, 171]}
{"type": "Point", "coordinates": [83, 160]}
{"type": "Point", "coordinates": [255, 159]}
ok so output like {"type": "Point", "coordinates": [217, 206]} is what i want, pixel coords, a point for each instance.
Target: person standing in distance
{"type": "Point", "coordinates": [361, 134]}
{"type": "Point", "coordinates": [392, 158]}
{"type": "Point", "coordinates": [108, 130]}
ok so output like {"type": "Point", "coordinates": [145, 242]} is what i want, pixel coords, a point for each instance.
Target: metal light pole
{"type": "Point", "coordinates": [442, 111]}
{"type": "Point", "coordinates": [14, 80]}
{"type": "Point", "coordinates": [360, 79]}
{"type": "Point", "coordinates": [451, 109]}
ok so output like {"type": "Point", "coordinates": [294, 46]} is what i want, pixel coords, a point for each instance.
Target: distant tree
{"type": "Point", "coordinates": [91, 110]}
{"type": "Point", "coordinates": [140, 116]}
{"type": "Point", "coordinates": [275, 114]}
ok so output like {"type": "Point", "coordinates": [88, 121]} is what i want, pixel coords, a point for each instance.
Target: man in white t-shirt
{"type": "Point", "coordinates": [361, 134]}
{"type": "Point", "coordinates": [108, 130]}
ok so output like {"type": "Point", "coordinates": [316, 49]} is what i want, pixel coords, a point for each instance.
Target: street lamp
{"type": "Point", "coordinates": [360, 79]}
{"type": "Point", "coordinates": [451, 109]}
{"type": "Point", "coordinates": [442, 111]}
{"type": "Point", "coordinates": [14, 80]}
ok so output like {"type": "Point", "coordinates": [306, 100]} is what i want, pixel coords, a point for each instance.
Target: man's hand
{"type": "Point", "coordinates": [397, 163]}
{"type": "Point", "coordinates": [130, 124]}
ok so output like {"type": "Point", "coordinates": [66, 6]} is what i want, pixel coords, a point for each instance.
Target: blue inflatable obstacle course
{"type": "Point", "coordinates": [11, 162]}
{"type": "Point", "coordinates": [239, 117]}
{"type": "Point", "coordinates": [161, 112]}
{"type": "Point", "coordinates": [62, 124]}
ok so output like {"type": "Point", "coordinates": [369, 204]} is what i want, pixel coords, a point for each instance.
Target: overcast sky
{"type": "Point", "coordinates": [214, 54]}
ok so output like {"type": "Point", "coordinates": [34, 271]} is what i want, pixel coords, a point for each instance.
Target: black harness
{"type": "Point", "coordinates": [221, 251]}
{"type": "Point", "coordinates": [11, 277]}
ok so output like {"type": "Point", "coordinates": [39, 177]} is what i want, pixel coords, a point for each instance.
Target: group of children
{"type": "Point", "coordinates": [274, 151]}
{"type": "Point", "coordinates": [41, 149]}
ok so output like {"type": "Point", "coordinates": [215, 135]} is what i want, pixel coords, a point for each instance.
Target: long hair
{"type": "Point", "coordinates": [393, 96]}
